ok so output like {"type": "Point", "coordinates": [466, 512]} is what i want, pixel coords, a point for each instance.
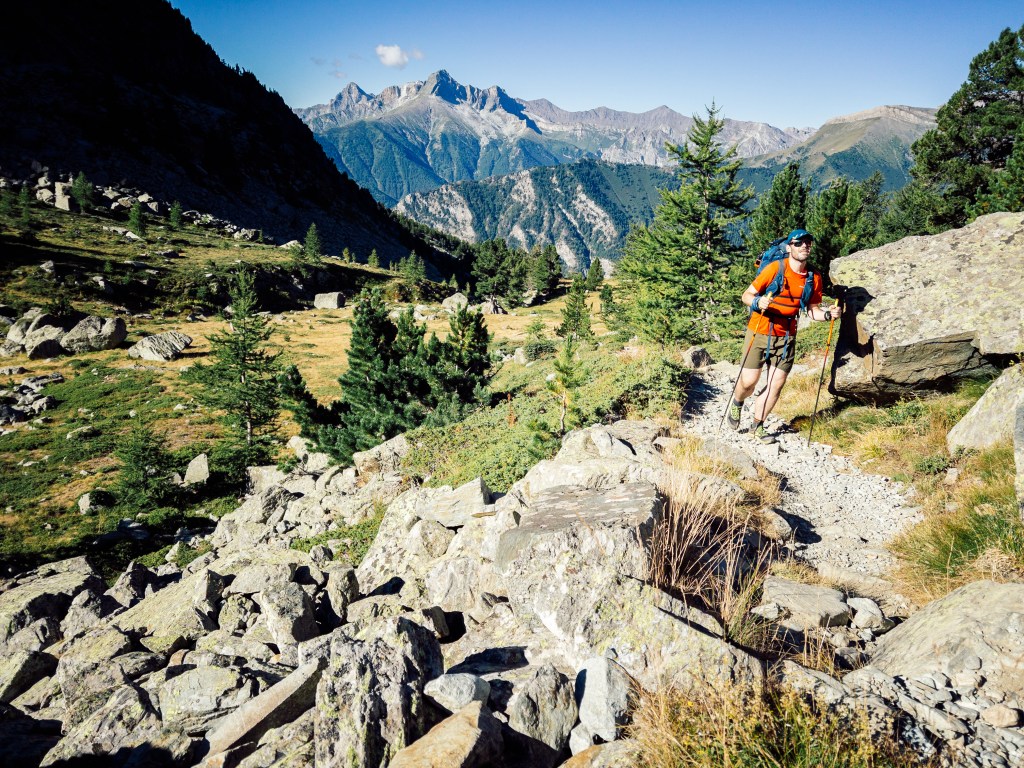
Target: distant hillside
{"type": "Point", "coordinates": [125, 91]}
{"type": "Point", "coordinates": [586, 207]}
{"type": "Point", "coordinates": [854, 146]}
{"type": "Point", "coordinates": [421, 135]}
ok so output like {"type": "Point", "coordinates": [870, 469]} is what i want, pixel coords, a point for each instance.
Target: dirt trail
{"type": "Point", "coordinates": [843, 517]}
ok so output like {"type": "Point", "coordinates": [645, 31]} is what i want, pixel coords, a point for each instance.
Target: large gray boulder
{"type": "Point", "coordinates": [471, 738]}
{"type": "Point", "coordinates": [926, 311]}
{"type": "Point", "coordinates": [991, 419]}
{"type": "Point", "coordinates": [161, 347]}
{"type": "Point", "coordinates": [45, 592]}
{"type": "Point", "coordinates": [806, 605]}
{"type": "Point", "coordinates": [44, 342]}
{"type": "Point", "coordinates": [95, 333]}
{"type": "Point", "coordinates": [332, 300]}
{"type": "Point", "coordinates": [977, 628]}
{"type": "Point", "coordinates": [370, 702]}
{"type": "Point", "coordinates": [543, 711]}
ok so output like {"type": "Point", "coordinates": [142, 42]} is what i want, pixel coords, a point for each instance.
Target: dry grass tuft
{"type": "Point", "coordinates": [728, 727]}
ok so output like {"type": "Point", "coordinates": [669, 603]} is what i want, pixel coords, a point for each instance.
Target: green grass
{"type": "Point", "coordinates": [350, 543]}
{"type": "Point", "coordinates": [494, 442]}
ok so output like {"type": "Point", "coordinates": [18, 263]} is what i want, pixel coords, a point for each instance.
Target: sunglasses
{"type": "Point", "coordinates": [802, 242]}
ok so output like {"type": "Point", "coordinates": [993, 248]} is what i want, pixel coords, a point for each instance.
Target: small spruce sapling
{"type": "Point", "coordinates": [576, 313]}
{"type": "Point", "coordinates": [175, 215]}
{"type": "Point", "coordinates": [312, 248]}
{"type": "Point", "coordinates": [137, 219]}
{"type": "Point", "coordinates": [373, 260]}
{"type": "Point", "coordinates": [83, 192]}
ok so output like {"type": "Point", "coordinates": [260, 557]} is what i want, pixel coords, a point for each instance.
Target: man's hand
{"type": "Point", "coordinates": [762, 303]}
{"type": "Point", "coordinates": [833, 313]}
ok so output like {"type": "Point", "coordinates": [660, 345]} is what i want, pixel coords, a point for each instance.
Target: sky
{"type": "Point", "coordinates": [790, 64]}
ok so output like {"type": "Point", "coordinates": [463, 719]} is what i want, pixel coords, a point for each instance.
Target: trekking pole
{"type": "Point", "coordinates": [732, 392]}
{"type": "Point", "coordinates": [828, 344]}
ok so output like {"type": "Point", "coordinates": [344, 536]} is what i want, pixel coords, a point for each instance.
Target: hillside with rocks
{"type": "Point", "coordinates": [127, 93]}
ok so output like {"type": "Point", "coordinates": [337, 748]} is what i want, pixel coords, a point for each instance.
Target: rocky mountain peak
{"type": "Point", "coordinates": [898, 112]}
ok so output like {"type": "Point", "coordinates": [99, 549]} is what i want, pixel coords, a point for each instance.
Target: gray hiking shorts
{"type": "Point", "coordinates": [778, 351]}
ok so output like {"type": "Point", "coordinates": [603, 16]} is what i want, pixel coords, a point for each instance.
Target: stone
{"type": "Point", "coordinates": [916, 317]}
{"type": "Point", "coordinates": [259, 479]}
{"type": "Point", "coordinates": [490, 307]}
{"type": "Point", "coordinates": [867, 615]}
{"type": "Point", "coordinates": [458, 690]}
{"type": "Point", "coordinates": [808, 605]}
{"type": "Point", "coordinates": [95, 499]}
{"type": "Point", "coordinates": [471, 738]}
{"type": "Point", "coordinates": [130, 586]}
{"type": "Point", "coordinates": [974, 628]}
{"type": "Point", "coordinates": [198, 696]}
{"type": "Point", "coordinates": [279, 704]}
{"type": "Point", "coordinates": [384, 458]}
{"type": "Point", "coordinates": [453, 508]}
{"type": "Point", "coordinates": [44, 342]}
{"type": "Point", "coordinates": [775, 526]}
{"type": "Point", "coordinates": [697, 357]}
{"type": "Point", "coordinates": [990, 420]}
{"type": "Point", "coordinates": [95, 333]}
{"type": "Point", "coordinates": [604, 689]}
{"type": "Point", "coordinates": [618, 754]}
{"type": "Point", "coordinates": [1001, 716]}
{"type": "Point", "coordinates": [198, 471]}
{"type": "Point", "coordinates": [177, 613]}
{"type": "Point", "coordinates": [454, 302]}
{"type": "Point", "coordinates": [333, 300]}
{"type": "Point", "coordinates": [580, 739]}
{"type": "Point", "coordinates": [261, 577]}
{"type": "Point", "coordinates": [161, 347]}
{"type": "Point", "coordinates": [370, 703]}
{"type": "Point", "coordinates": [543, 709]}
{"type": "Point", "coordinates": [288, 610]}
{"type": "Point", "coordinates": [21, 669]}
{"type": "Point", "coordinates": [45, 592]}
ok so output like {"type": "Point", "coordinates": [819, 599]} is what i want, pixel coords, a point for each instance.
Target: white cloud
{"type": "Point", "coordinates": [393, 56]}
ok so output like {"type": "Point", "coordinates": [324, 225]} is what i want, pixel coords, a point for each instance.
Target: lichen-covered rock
{"type": "Point", "coordinates": [542, 711]}
{"type": "Point", "coordinates": [180, 612]}
{"type": "Point", "coordinates": [192, 700]}
{"type": "Point", "coordinates": [45, 592]}
{"type": "Point", "coordinates": [925, 311]}
{"type": "Point", "coordinates": [161, 347]}
{"type": "Point", "coordinates": [20, 670]}
{"type": "Point", "coordinates": [95, 333]}
{"type": "Point", "coordinates": [370, 702]}
{"type": "Point", "coordinates": [807, 605]}
{"type": "Point", "coordinates": [471, 738]}
{"type": "Point", "coordinates": [384, 458]}
{"type": "Point", "coordinates": [990, 420]}
{"type": "Point", "coordinates": [604, 704]}
{"type": "Point", "coordinates": [455, 691]}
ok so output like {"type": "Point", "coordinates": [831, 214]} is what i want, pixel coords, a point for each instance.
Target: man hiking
{"type": "Point", "coordinates": [771, 332]}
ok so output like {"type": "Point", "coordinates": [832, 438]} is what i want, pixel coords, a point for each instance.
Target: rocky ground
{"type": "Point", "coordinates": [843, 517]}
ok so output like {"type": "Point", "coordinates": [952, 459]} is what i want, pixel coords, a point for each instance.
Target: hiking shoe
{"type": "Point", "coordinates": [733, 415]}
{"type": "Point", "coordinates": [762, 435]}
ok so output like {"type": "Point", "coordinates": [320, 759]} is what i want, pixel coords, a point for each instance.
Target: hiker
{"type": "Point", "coordinates": [771, 330]}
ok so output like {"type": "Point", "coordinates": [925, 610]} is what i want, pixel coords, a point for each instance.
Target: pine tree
{"type": "Point", "coordinates": [241, 381]}
{"type": "Point", "coordinates": [373, 260]}
{"type": "Point", "coordinates": [1007, 187]}
{"type": "Point", "coordinates": [492, 268]}
{"type": "Point", "coordinates": [83, 192]}
{"type": "Point", "coordinates": [595, 275]}
{"type": "Point", "coordinates": [346, 256]}
{"type": "Point", "coordinates": [143, 481]}
{"type": "Point", "coordinates": [312, 249]}
{"type": "Point", "coordinates": [676, 271]}
{"type": "Point", "coordinates": [569, 377]}
{"type": "Point", "coordinates": [137, 219]}
{"type": "Point", "coordinates": [6, 202]}
{"type": "Point", "coordinates": [976, 133]}
{"type": "Point", "coordinates": [844, 217]}
{"type": "Point", "coordinates": [780, 210]}
{"type": "Point", "coordinates": [463, 359]}
{"type": "Point", "coordinates": [576, 313]}
{"type": "Point", "coordinates": [175, 215]}
{"type": "Point", "coordinates": [545, 269]}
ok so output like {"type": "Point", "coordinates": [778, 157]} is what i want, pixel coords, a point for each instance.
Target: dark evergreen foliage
{"type": "Point", "coordinates": [312, 248]}
{"type": "Point", "coordinates": [780, 210]}
{"type": "Point", "coordinates": [595, 275]}
{"type": "Point", "coordinates": [576, 313]}
{"type": "Point", "coordinates": [83, 192]}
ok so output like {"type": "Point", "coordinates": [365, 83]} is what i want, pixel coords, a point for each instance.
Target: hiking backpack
{"type": "Point", "coordinates": [777, 252]}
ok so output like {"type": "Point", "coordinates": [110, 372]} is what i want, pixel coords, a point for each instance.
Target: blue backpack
{"type": "Point", "coordinates": [777, 252]}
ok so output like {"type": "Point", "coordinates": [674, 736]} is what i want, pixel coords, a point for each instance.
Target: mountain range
{"type": "Point", "coordinates": [126, 92]}
{"type": "Point", "coordinates": [587, 207]}
{"type": "Point", "coordinates": [418, 136]}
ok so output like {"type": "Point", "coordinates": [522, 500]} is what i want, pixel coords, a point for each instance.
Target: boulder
{"type": "Point", "coordinates": [31, 319]}
{"type": "Point", "coordinates": [458, 690]}
{"type": "Point", "coordinates": [542, 711]}
{"type": "Point", "coordinates": [604, 688]}
{"type": "Point", "coordinates": [490, 307]}
{"type": "Point", "coordinates": [618, 754]}
{"type": "Point", "coordinates": [161, 347]}
{"type": "Point", "coordinates": [46, 592]}
{"type": "Point", "coordinates": [44, 342]}
{"type": "Point", "coordinates": [384, 458]}
{"type": "Point", "coordinates": [288, 610]}
{"type": "Point", "coordinates": [926, 311]}
{"type": "Point", "coordinates": [471, 738]}
{"type": "Point", "coordinates": [95, 333]}
{"type": "Point", "coordinates": [807, 605]}
{"type": "Point", "coordinates": [454, 302]}
{"type": "Point", "coordinates": [198, 470]}
{"type": "Point", "coordinates": [697, 357]}
{"type": "Point", "coordinates": [991, 419]}
{"type": "Point", "coordinates": [370, 702]}
{"type": "Point", "coordinates": [179, 613]}
{"type": "Point", "coordinates": [195, 698]}
{"type": "Point", "coordinates": [976, 628]}
{"type": "Point", "coordinates": [333, 300]}
{"type": "Point", "coordinates": [20, 670]}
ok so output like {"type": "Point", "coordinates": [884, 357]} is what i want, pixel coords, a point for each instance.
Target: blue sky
{"type": "Point", "coordinates": [785, 63]}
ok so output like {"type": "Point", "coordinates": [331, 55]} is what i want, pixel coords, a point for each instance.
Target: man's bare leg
{"type": "Point", "coordinates": [766, 402]}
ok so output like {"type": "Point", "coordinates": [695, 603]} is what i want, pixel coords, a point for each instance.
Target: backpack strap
{"type": "Point", "coordinates": [805, 297]}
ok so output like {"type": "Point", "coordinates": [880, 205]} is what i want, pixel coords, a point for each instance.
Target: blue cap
{"type": "Point", "coordinates": [796, 234]}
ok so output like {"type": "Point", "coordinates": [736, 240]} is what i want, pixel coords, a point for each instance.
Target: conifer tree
{"type": "Point", "coordinates": [312, 248]}
{"type": "Point", "coordinates": [463, 357]}
{"type": "Point", "coordinates": [780, 210]}
{"type": "Point", "coordinates": [595, 275]}
{"type": "Point", "coordinates": [576, 313]}
{"type": "Point", "coordinates": [6, 202]}
{"type": "Point", "coordinates": [241, 381]}
{"type": "Point", "coordinates": [83, 192]}
{"type": "Point", "coordinates": [143, 481]}
{"type": "Point", "coordinates": [174, 217]}
{"type": "Point", "coordinates": [373, 260]}
{"type": "Point", "coordinates": [675, 271]}
{"type": "Point", "coordinates": [976, 133]}
{"type": "Point", "coordinates": [137, 219]}
{"type": "Point", "coordinates": [545, 269]}
{"type": "Point", "coordinates": [569, 377]}
{"type": "Point", "coordinates": [844, 218]}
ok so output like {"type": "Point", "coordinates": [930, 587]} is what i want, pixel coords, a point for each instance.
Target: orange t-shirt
{"type": "Point", "coordinates": [781, 317]}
